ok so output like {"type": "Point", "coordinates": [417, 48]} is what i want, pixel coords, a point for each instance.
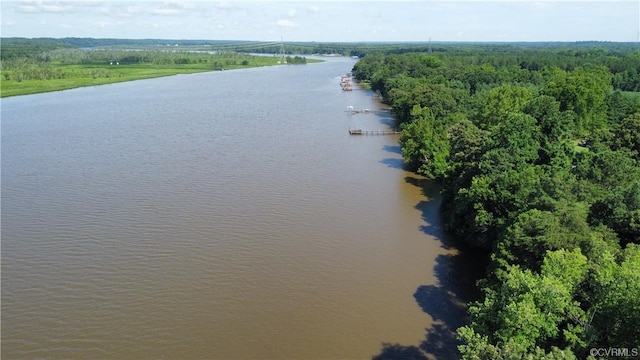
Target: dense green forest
{"type": "Point", "coordinates": [537, 149]}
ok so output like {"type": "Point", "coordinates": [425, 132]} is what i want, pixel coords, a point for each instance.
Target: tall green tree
{"type": "Point", "coordinates": [584, 91]}
{"type": "Point", "coordinates": [478, 75]}
{"type": "Point", "coordinates": [424, 148]}
{"type": "Point", "coordinates": [620, 210]}
{"type": "Point", "coordinates": [519, 134]}
{"type": "Point", "coordinates": [530, 310]}
{"type": "Point", "coordinates": [607, 168]}
{"type": "Point", "coordinates": [627, 134]}
{"type": "Point", "coordinates": [554, 124]}
{"type": "Point", "coordinates": [502, 101]}
{"type": "Point", "coordinates": [466, 141]}
{"type": "Point", "coordinates": [614, 295]}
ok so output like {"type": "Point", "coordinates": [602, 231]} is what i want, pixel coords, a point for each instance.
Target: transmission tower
{"type": "Point", "coordinates": [282, 59]}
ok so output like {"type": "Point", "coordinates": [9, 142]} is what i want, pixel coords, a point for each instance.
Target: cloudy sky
{"type": "Point", "coordinates": [329, 20]}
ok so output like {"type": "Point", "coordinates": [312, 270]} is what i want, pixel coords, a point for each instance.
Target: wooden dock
{"type": "Point", "coordinates": [373, 132]}
{"type": "Point", "coordinates": [366, 111]}
{"type": "Point", "coordinates": [353, 111]}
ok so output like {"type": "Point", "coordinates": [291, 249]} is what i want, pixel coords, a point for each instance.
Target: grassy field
{"type": "Point", "coordinates": [68, 76]}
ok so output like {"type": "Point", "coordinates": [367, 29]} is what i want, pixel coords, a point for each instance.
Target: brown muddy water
{"type": "Point", "coordinates": [224, 215]}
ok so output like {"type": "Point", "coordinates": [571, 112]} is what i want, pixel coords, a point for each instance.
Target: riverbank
{"type": "Point", "coordinates": [56, 77]}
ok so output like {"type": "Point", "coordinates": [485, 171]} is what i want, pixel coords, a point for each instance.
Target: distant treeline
{"type": "Point", "coordinates": [538, 152]}
{"type": "Point", "coordinates": [12, 48]}
{"type": "Point", "coordinates": [18, 47]}
{"type": "Point", "coordinates": [23, 47]}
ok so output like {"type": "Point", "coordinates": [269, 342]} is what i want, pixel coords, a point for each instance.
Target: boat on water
{"type": "Point", "coordinates": [345, 82]}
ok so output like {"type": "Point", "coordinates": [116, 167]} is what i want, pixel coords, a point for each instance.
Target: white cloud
{"type": "Point", "coordinates": [27, 9]}
{"type": "Point", "coordinates": [122, 11]}
{"type": "Point", "coordinates": [55, 8]}
{"type": "Point", "coordinates": [177, 4]}
{"type": "Point", "coordinates": [166, 12]}
{"type": "Point", "coordinates": [314, 8]}
{"type": "Point", "coordinates": [164, 25]}
{"type": "Point", "coordinates": [31, 6]}
{"type": "Point", "coordinates": [292, 13]}
{"type": "Point", "coordinates": [104, 24]}
{"type": "Point", "coordinates": [286, 23]}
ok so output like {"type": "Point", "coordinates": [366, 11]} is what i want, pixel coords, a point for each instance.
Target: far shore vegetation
{"type": "Point", "coordinates": [32, 66]}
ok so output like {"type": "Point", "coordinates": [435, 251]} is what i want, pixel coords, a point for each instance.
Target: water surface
{"type": "Point", "coordinates": [217, 215]}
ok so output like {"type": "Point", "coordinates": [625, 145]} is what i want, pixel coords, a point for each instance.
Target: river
{"type": "Point", "coordinates": [222, 215]}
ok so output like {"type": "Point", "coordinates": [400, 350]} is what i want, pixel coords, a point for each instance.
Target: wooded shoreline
{"type": "Point", "coordinates": [538, 154]}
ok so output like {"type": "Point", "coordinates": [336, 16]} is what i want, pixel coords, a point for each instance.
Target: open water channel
{"type": "Point", "coordinates": [222, 215]}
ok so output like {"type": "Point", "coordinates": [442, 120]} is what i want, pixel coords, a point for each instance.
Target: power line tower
{"type": "Point", "coordinates": [282, 59]}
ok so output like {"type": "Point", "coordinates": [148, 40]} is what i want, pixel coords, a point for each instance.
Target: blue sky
{"type": "Point", "coordinates": [340, 21]}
